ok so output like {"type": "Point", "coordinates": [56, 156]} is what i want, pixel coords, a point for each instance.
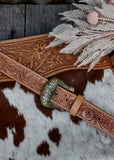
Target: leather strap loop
{"type": "Point", "coordinates": [76, 105]}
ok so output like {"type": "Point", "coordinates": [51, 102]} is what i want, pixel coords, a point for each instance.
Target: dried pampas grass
{"type": "Point", "coordinates": [94, 41]}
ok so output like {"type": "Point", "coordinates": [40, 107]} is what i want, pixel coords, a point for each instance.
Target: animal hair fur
{"type": "Point", "coordinates": [78, 142]}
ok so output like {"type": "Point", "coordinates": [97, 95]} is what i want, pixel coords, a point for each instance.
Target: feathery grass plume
{"type": "Point", "coordinates": [93, 41]}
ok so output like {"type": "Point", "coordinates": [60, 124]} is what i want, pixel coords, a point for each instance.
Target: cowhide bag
{"type": "Point", "coordinates": [29, 131]}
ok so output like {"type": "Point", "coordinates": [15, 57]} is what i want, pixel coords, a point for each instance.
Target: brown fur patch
{"type": "Point", "coordinates": [75, 120]}
{"type": "Point", "coordinates": [79, 78]}
{"type": "Point", "coordinates": [9, 118]}
{"type": "Point", "coordinates": [54, 135]}
{"type": "Point", "coordinates": [43, 148]}
{"type": "Point", "coordinates": [4, 85]}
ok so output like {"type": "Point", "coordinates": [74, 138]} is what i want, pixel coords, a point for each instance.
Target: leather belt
{"type": "Point", "coordinates": [75, 105]}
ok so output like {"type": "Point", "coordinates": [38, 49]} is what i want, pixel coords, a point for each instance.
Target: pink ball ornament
{"type": "Point", "coordinates": [111, 2]}
{"type": "Point", "coordinates": [92, 18]}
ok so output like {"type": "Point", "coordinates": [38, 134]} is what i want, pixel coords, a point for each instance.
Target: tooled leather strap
{"type": "Point", "coordinates": [64, 99]}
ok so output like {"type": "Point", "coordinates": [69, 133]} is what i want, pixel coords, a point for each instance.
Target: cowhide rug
{"type": "Point", "coordinates": [29, 131]}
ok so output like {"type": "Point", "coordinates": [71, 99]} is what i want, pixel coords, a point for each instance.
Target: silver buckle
{"type": "Point", "coordinates": [49, 89]}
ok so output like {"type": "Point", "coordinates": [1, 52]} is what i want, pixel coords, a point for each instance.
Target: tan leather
{"type": "Point", "coordinates": [31, 52]}
{"type": "Point", "coordinates": [112, 62]}
{"type": "Point", "coordinates": [76, 105]}
{"type": "Point", "coordinates": [35, 82]}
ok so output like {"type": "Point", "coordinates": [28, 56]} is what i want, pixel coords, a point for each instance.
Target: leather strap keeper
{"type": "Point", "coordinates": [76, 105]}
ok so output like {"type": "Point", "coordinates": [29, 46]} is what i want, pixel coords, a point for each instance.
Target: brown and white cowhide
{"type": "Point", "coordinates": [28, 131]}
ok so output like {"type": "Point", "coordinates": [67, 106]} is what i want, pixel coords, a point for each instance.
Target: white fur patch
{"type": "Point", "coordinates": [102, 92]}
{"type": "Point", "coordinates": [78, 142]}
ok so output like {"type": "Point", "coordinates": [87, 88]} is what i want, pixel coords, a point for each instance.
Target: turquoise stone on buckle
{"type": "Point", "coordinates": [49, 89]}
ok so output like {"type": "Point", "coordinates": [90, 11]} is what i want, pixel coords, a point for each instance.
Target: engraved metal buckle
{"type": "Point", "coordinates": [49, 89]}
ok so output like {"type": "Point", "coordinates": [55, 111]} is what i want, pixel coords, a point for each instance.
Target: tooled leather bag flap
{"type": "Point", "coordinates": [31, 52]}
